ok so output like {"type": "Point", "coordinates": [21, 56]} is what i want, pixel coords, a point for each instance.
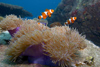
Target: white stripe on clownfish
{"type": "Point", "coordinates": [51, 11]}
{"type": "Point", "coordinates": [46, 12]}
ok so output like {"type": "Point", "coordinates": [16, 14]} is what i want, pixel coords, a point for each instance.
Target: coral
{"type": "Point", "coordinates": [7, 9]}
{"type": "Point", "coordinates": [10, 22]}
{"type": "Point", "coordinates": [74, 12]}
{"type": "Point", "coordinates": [89, 22]}
{"type": "Point", "coordinates": [61, 6]}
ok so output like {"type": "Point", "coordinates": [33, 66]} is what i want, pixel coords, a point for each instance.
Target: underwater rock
{"type": "Point", "coordinates": [87, 13]}
{"type": "Point", "coordinates": [91, 55]}
{"type": "Point", "coordinates": [55, 24]}
{"type": "Point", "coordinates": [69, 7]}
{"type": "Point", "coordinates": [88, 22]}
{"type": "Point", "coordinates": [6, 9]}
{"type": "Point", "coordinates": [4, 37]}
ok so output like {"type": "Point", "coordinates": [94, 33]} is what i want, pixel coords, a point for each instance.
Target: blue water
{"type": "Point", "coordinates": [34, 6]}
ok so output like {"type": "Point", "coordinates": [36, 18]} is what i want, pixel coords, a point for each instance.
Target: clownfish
{"type": "Point", "coordinates": [46, 13]}
{"type": "Point", "coordinates": [71, 20]}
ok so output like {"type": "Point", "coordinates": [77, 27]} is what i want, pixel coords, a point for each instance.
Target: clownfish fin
{"type": "Point", "coordinates": [52, 10]}
{"type": "Point", "coordinates": [46, 9]}
{"type": "Point", "coordinates": [49, 15]}
{"type": "Point", "coordinates": [72, 21]}
{"type": "Point", "coordinates": [75, 18]}
{"type": "Point", "coordinates": [39, 17]}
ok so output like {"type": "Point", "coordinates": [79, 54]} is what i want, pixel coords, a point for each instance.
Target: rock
{"type": "Point", "coordinates": [55, 24]}
{"type": "Point", "coordinates": [7, 9]}
{"type": "Point", "coordinates": [4, 37]}
{"type": "Point", "coordinates": [87, 13]}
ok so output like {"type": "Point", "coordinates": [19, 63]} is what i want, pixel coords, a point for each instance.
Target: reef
{"type": "Point", "coordinates": [7, 9]}
{"type": "Point", "coordinates": [4, 37]}
{"type": "Point", "coordinates": [87, 13]}
{"type": "Point", "coordinates": [39, 44]}
{"type": "Point", "coordinates": [91, 50]}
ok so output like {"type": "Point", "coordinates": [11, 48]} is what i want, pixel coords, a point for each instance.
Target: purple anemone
{"type": "Point", "coordinates": [43, 23]}
{"type": "Point", "coordinates": [35, 52]}
{"type": "Point", "coordinates": [36, 56]}
{"type": "Point", "coordinates": [13, 31]}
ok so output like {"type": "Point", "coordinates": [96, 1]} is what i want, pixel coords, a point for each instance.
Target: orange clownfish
{"type": "Point", "coordinates": [46, 13]}
{"type": "Point", "coordinates": [71, 20]}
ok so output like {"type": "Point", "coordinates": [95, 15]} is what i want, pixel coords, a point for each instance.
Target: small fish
{"type": "Point", "coordinates": [71, 20]}
{"type": "Point", "coordinates": [46, 13]}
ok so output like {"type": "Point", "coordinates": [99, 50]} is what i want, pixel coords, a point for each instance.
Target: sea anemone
{"type": "Point", "coordinates": [63, 45]}
{"type": "Point", "coordinates": [43, 45]}
{"type": "Point", "coordinates": [18, 46]}
{"type": "Point", "coordinates": [1, 18]}
{"type": "Point", "coordinates": [10, 22]}
{"type": "Point", "coordinates": [28, 26]}
{"type": "Point", "coordinates": [29, 31]}
{"type": "Point", "coordinates": [43, 21]}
